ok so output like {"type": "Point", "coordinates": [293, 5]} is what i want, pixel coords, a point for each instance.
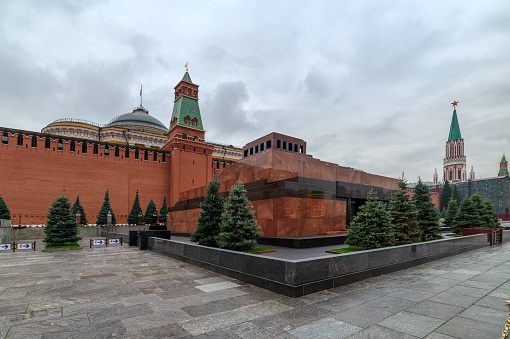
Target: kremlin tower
{"type": "Point", "coordinates": [454, 164]}
{"type": "Point", "coordinates": [503, 167]}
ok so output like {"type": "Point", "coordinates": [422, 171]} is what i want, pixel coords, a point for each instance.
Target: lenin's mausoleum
{"type": "Point", "coordinates": [293, 194]}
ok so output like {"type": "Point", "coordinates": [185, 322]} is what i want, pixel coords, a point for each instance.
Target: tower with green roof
{"type": "Point", "coordinates": [454, 164]}
{"type": "Point", "coordinates": [503, 167]}
{"type": "Point", "coordinates": [190, 158]}
{"type": "Point", "coordinates": [186, 121]}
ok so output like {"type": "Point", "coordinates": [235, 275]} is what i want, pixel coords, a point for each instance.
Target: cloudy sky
{"type": "Point", "coordinates": [368, 84]}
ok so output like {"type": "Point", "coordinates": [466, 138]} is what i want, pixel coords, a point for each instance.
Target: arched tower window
{"type": "Point", "coordinates": [460, 178]}
{"type": "Point", "coordinates": [194, 122]}
{"type": "Point", "coordinates": [196, 138]}
{"type": "Point", "coordinates": [185, 136]}
{"type": "Point", "coordinates": [451, 175]}
{"type": "Point", "coordinates": [187, 120]}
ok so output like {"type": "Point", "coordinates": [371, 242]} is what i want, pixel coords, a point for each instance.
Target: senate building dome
{"type": "Point", "coordinates": [139, 120]}
{"type": "Point", "coordinates": [136, 128]}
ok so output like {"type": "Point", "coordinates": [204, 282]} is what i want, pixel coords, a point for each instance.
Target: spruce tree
{"type": "Point", "coordinates": [489, 217]}
{"type": "Point", "coordinates": [209, 219]}
{"type": "Point", "coordinates": [151, 213]}
{"type": "Point", "coordinates": [61, 227]}
{"type": "Point", "coordinates": [447, 194]}
{"type": "Point", "coordinates": [77, 207]}
{"type": "Point", "coordinates": [163, 212]}
{"type": "Point", "coordinates": [451, 214]}
{"type": "Point", "coordinates": [135, 211]}
{"type": "Point", "coordinates": [402, 215]}
{"type": "Point", "coordinates": [468, 216]}
{"type": "Point", "coordinates": [455, 194]}
{"type": "Point", "coordinates": [477, 202]}
{"type": "Point", "coordinates": [239, 230]}
{"type": "Point", "coordinates": [102, 217]}
{"type": "Point", "coordinates": [4, 210]}
{"type": "Point", "coordinates": [427, 214]}
{"type": "Point", "coordinates": [371, 227]}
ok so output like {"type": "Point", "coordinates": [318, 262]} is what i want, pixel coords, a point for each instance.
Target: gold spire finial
{"type": "Point", "coordinates": [186, 66]}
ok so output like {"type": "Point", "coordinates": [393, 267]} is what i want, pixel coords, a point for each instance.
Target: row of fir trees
{"type": "Point", "coordinates": [136, 210]}
{"type": "Point", "coordinates": [472, 213]}
{"type": "Point", "coordinates": [226, 224]}
{"type": "Point", "coordinates": [102, 217]}
{"type": "Point", "coordinates": [151, 212]}
{"type": "Point", "coordinates": [407, 219]}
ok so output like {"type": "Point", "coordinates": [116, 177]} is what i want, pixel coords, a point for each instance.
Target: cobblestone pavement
{"type": "Point", "coordinates": [124, 292]}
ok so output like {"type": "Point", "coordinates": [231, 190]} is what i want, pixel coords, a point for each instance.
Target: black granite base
{"type": "Point", "coordinates": [295, 278]}
{"type": "Point", "coordinates": [313, 286]}
{"type": "Point", "coordinates": [143, 237]}
{"type": "Point", "coordinates": [304, 241]}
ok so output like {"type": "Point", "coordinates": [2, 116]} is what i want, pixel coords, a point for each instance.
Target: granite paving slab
{"type": "Point", "coordinates": [463, 328]}
{"type": "Point", "coordinates": [435, 310]}
{"type": "Point", "coordinates": [249, 330]}
{"type": "Point", "coordinates": [497, 303]}
{"type": "Point", "coordinates": [160, 332]}
{"type": "Point", "coordinates": [217, 286]}
{"type": "Point", "coordinates": [157, 319]}
{"type": "Point", "coordinates": [98, 331]}
{"type": "Point", "coordinates": [413, 295]}
{"type": "Point", "coordinates": [411, 323]}
{"type": "Point", "coordinates": [485, 314]}
{"type": "Point", "coordinates": [211, 307]}
{"type": "Point", "coordinates": [292, 318]}
{"type": "Point", "coordinates": [379, 332]}
{"type": "Point", "coordinates": [325, 328]}
{"type": "Point", "coordinates": [391, 304]}
{"type": "Point", "coordinates": [221, 294]}
{"type": "Point", "coordinates": [362, 316]}
{"type": "Point", "coordinates": [454, 299]}
{"type": "Point", "coordinates": [225, 319]}
{"type": "Point", "coordinates": [435, 335]}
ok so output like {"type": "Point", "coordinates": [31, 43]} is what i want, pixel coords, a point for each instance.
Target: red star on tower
{"type": "Point", "coordinates": [454, 103]}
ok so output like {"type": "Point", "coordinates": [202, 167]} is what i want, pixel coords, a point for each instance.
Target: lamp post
{"type": "Point", "coordinates": [109, 218]}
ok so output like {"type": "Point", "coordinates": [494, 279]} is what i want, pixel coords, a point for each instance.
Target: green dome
{"type": "Point", "coordinates": [139, 117]}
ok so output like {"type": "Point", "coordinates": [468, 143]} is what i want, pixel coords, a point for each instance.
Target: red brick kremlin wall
{"type": "Point", "coordinates": [31, 178]}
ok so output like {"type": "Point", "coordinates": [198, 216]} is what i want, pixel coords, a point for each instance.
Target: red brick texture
{"type": "Point", "coordinates": [31, 178]}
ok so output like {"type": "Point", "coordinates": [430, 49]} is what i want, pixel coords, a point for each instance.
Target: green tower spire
{"type": "Point", "coordinates": [454, 128]}
{"type": "Point", "coordinates": [503, 167]}
{"type": "Point", "coordinates": [186, 111]}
